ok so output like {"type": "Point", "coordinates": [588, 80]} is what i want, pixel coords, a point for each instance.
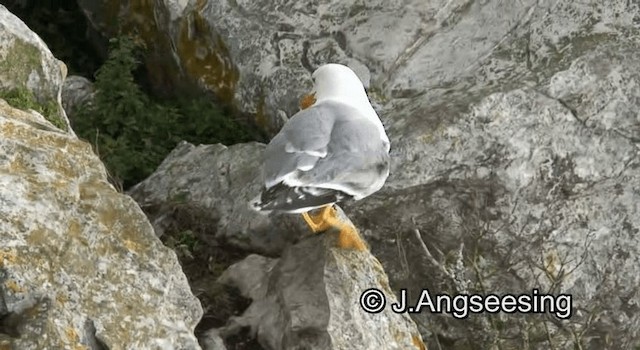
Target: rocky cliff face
{"type": "Point", "coordinates": [515, 139]}
{"type": "Point", "coordinates": [80, 266]}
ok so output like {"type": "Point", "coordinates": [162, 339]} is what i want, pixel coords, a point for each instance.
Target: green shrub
{"type": "Point", "coordinates": [132, 132]}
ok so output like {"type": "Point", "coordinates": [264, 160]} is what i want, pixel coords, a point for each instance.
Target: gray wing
{"type": "Point", "coordinates": [357, 161]}
{"type": "Point", "coordinates": [299, 144]}
{"type": "Point", "coordinates": [326, 146]}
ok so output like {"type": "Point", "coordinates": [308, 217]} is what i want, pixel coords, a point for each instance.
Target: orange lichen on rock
{"type": "Point", "coordinates": [61, 298]}
{"type": "Point", "coordinates": [13, 286]}
{"type": "Point", "coordinates": [71, 334]}
{"type": "Point", "coordinates": [307, 101]}
{"type": "Point", "coordinates": [202, 56]}
{"type": "Point", "coordinates": [8, 256]}
{"type": "Point", "coordinates": [205, 57]}
{"type": "Point", "coordinates": [417, 341]}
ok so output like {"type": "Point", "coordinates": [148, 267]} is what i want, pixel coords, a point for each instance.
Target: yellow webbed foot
{"type": "Point", "coordinates": [321, 221]}
{"type": "Point", "coordinates": [348, 236]}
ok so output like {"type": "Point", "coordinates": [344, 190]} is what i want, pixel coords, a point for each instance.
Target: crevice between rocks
{"type": "Point", "coordinates": [91, 338]}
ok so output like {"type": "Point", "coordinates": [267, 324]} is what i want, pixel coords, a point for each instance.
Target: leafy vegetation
{"type": "Point", "coordinates": [23, 98]}
{"type": "Point", "coordinates": [132, 132]}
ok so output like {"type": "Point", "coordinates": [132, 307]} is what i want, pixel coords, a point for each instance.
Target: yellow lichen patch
{"type": "Point", "coordinates": [5, 345]}
{"type": "Point", "coordinates": [19, 165]}
{"type": "Point", "coordinates": [38, 237]}
{"type": "Point", "coordinates": [71, 334]}
{"type": "Point", "coordinates": [75, 231]}
{"type": "Point", "coordinates": [417, 341]}
{"type": "Point", "coordinates": [61, 164]}
{"type": "Point", "coordinates": [7, 257]}
{"type": "Point", "coordinates": [87, 192]}
{"type": "Point", "coordinates": [61, 298]}
{"type": "Point", "coordinates": [132, 246]}
{"type": "Point", "coordinates": [13, 286]}
{"type": "Point", "coordinates": [205, 57]}
{"type": "Point", "coordinates": [108, 213]}
{"type": "Point", "coordinates": [551, 264]}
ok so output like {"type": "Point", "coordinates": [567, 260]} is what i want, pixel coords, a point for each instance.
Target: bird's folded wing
{"type": "Point", "coordinates": [300, 143]}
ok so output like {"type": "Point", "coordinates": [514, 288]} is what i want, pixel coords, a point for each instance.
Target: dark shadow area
{"type": "Point", "coordinates": [63, 27]}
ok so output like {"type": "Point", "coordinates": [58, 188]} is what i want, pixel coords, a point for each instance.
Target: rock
{"type": "Point", "coordinates": [260, 55]}
{"type": "Point", "coordinates": [532, 189]}
{"type": "Point", "coordinates": [181, 51]}
{"type": "Point", "coordinates": [310, 299]}
{"type": "Point", "coordinates": [76, 91]}
{"type": "Point", "coordinates": [218, 182]}
{"type": "Point", "coordinates": [80, 266]}
{"type": "Point", "coordinates": [80, 263]}
{"type": "Point", "coordinates": [27, 67]}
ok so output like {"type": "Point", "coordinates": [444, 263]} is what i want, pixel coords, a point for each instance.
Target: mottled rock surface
{"type": "Point", "coordinates": [27, 64]}
{"type": "Point", "coordinates": [540, 185]}
{"type": "Point", "coordinates": [309, 298]}
{"type": "Point", "coordinates": [532, 188]}
{"type": "Point", "coordinates": [80, 266]}
{"type": "Point", "coordinates": [260, 54]}
{"type": "Point", "coordinates": [79, 261]}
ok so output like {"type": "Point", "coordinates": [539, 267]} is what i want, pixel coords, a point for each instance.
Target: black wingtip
{"type": "Point", "coordinates": [283, 198]}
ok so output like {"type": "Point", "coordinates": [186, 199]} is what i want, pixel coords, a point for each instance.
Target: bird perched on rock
{"type": "Point", "coordinates": [334, 149]}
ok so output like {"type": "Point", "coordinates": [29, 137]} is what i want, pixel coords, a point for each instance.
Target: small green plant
{"type": "Point", "coordinates": [188, 239]}
{"type": "Point", "coordinates": [132, 132]}
{"type": "Point", "coordinates": [23, 98]}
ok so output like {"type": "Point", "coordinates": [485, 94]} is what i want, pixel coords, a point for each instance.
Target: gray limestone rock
{"type": "Point", "coordinates": [80, 266]}
{"type": "Point", "coordinates": [217, 181]}
{"type": "Point", "coordinates": [309, 298]}
{"type": "Point", "coordinates": [26, 64]}
{"type": "Point", "coordinates": [535, 188]}
{"type": "Point", "coordinates": [211, 340]}
{"type": "Point", "coordinates": [79, 263]}
{"type": "Point", "coordinates": [260, 54]}
{"type": "Point", "coordinates": [76, 91]}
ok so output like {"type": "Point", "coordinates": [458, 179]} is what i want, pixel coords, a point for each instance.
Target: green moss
{"type": "Point", "coordinates": [23, 98]}
{"type": "Point", "coordinates": [20, 61]}
{"type": "Point", "coordinates": [180, 198]}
